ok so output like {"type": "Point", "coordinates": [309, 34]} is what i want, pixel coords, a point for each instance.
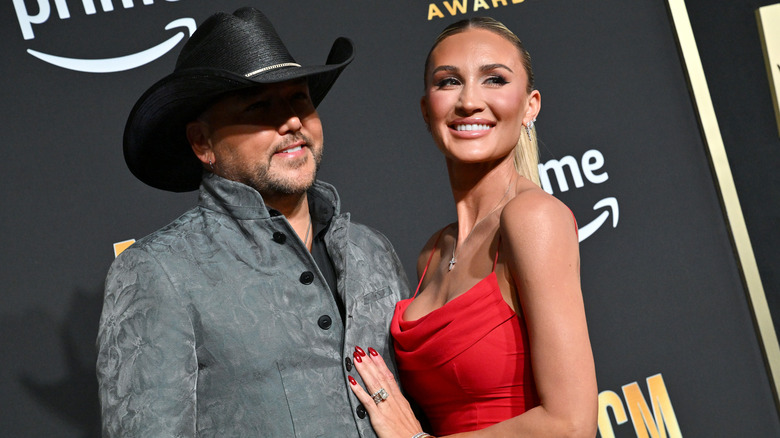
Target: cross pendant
{"type": "Point", "coordinates": [452, 263]}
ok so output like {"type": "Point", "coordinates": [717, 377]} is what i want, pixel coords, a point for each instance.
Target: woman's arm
{"type": "Point", "coordinates": [542, 254]}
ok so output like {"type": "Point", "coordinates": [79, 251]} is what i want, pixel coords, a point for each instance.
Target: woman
{"type": "Point", "coordinates": [495, 341]}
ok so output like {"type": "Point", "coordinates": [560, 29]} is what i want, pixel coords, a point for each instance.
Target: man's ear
{"type": "Point", "coordinates": [197, 135]}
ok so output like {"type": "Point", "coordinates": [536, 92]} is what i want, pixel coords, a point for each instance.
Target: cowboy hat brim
{"type": "Point", "coordinates": [156, 148]}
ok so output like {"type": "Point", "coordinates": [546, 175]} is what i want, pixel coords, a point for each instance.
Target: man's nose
{"type": "Point", "coordinates": [289, 119]}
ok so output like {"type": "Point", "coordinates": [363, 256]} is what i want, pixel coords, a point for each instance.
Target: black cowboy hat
{"type": "Point", "coordinates": [226, 53]}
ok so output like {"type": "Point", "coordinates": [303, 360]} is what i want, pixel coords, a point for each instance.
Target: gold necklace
{"type": "Point", "coordinates": [454, 260]}
{"type": "Point", "coordinates": [306, 239]}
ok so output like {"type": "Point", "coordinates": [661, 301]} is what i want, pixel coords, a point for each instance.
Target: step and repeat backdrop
{"type": "Point", "coordinates": [679, 333]}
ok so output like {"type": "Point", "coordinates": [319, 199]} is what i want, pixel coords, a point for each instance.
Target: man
{"type": "Point", "coordinates": [241, 316]}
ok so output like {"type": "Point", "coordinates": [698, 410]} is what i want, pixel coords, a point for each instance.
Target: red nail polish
{"type": "Point", "coordinates": [352, 380]}
{"type": "Point", "coordinates": [360, 350]}
{"type": "Point", "coordinates": [357, 357]}
{"type": "Point", "coordinates": [372, 352]}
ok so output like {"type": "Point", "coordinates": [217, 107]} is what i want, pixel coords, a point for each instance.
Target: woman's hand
{"type": "Point", "coordinates": [391, 417]}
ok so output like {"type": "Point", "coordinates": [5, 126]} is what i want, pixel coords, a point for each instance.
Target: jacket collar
{"type": "Point", "coordinates": [245, 203]}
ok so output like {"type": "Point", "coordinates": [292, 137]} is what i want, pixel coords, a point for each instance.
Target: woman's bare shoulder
{"type": "Point", "coordinates": [534, 211]}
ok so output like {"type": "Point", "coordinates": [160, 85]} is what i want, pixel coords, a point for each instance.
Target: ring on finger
{"type": "Point", "coordinates": [380, 396]}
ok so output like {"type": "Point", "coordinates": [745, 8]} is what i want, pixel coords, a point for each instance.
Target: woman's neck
{"type": "Point", "coordinates": [479, 190]}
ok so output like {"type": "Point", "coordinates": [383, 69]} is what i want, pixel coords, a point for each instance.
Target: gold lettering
{"type": "Point", "coordinates": [514, 2]}
{"type": "Point", "coordinates": [121, 246]}
{"type": "Point", "coordinates": [496, 2]}
{"type": "Point", "coordinates": [662, 405]}
{"type": "Point", "coordinates": [609, 399]}
{"type": "Point", "coordinates": [480, 4]}
{"type": "Point", "coordinates": [662, 418]}
{"type": "Point", "coordinates": [457, 6]}
{"type": "Point", "coordinates": [433, 11]}
{"type": "Point", "coordinates": [769, 29]}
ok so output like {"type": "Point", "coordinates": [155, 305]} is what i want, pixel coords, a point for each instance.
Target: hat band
{"type": "Point", "coordinates": [272, 67]}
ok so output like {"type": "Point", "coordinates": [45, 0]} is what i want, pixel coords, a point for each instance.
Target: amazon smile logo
{"type": "Point", "coordinates": [588, 168]}
{"type": "Point", "coordinates": [118, 63]}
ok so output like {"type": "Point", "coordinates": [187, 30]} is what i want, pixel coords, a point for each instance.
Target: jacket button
{"type": "Point", "coordinates": [307, 277]}
{"type": "Point", "coordinates": [348, 364]}
{"type": "Point", "coordinates": [324, 322]}
{"type": "Point", "coordinates": [361, 412]}
{"type": "Point", "coordinates": [279, 237]}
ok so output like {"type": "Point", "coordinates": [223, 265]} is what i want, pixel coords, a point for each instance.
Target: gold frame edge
{"type": "Point", "coordinates": [768, 64]}
{"type": "Point", "coordinates": [728, 192]}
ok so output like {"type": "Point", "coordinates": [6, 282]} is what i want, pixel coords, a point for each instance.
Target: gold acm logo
{"type": "Point", "coordinates": [121, 246]}
{"type": "Point", "coordinates": [769, 29]}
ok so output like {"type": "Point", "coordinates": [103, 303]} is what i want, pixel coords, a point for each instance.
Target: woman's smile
{"type": "Point", "coordinates": [476, 96]}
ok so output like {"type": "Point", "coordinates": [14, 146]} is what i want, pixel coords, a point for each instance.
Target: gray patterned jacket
{"type": "Point", "coordinates": [209, 327]}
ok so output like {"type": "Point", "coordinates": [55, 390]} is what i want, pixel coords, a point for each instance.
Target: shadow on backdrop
{"type": "Point", "coordinates": [53, 387]}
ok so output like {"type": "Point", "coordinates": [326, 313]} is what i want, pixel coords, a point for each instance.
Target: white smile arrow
{"type": "Point", "coordinates": [110, 65]}
{"type": "Point", "coordinates": [595, 224]}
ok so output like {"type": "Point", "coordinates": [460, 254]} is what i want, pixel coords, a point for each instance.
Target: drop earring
{"type": "Point", "coordinates": [528, 128]}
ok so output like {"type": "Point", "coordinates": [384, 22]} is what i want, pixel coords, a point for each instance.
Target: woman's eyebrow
{"type": "Point", "coordinates": [489, 67]}
{"type": "Point", "coordinates": [449, 68]}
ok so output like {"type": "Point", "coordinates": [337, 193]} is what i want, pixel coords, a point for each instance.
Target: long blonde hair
{"type": "Point", "coordinates": [526, 152]}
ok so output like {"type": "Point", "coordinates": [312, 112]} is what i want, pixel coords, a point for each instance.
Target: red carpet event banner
{"type": "Point", "coordinates": [682, 337]}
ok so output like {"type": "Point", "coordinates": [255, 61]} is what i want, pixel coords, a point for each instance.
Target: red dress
{"type": "Point", "coordinates": [467, 363]}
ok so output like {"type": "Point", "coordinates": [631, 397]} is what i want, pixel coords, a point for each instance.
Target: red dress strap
{"type": "Point", "coordinates": [576, 227]}
{"type": "Point", "coordinates": [495, 260]}
{"type": "Point", "coordinates": [435, 244]}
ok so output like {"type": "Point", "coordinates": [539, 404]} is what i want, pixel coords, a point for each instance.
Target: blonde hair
{"type": "Point", "coordinates": [526, 152]}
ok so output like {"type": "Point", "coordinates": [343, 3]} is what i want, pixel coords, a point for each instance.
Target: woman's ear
{"type": "Point", "coordinates": [197, 135]}
{"type": "Point", "coordinates": [534, 105]}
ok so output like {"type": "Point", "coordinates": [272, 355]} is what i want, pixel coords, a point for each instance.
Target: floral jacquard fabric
{"type": "Point", "coordinates": [212, 327]}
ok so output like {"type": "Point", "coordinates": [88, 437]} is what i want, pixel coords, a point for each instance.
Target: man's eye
{"type": "Point", "coordinates": [259, 105]}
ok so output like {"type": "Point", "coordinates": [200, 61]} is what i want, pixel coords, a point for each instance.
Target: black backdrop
{"type": "Point", "coordinates": [729, 45]}
{"type": "Point", "coordinates": [662, 286]}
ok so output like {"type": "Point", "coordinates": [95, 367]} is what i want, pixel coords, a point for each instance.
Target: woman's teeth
{"type": "Point", "coordinates": [472, 127]}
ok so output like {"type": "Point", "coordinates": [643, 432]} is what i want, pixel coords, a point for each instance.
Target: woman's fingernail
{"type": "Point", "coordinates": [360, 350]}
{"type": "Point", "coordinates": [357, 357]}
{"type": "Point", "coordinates": [352, 380]}
{"type": "Point", "coordinates": [372, 352]}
